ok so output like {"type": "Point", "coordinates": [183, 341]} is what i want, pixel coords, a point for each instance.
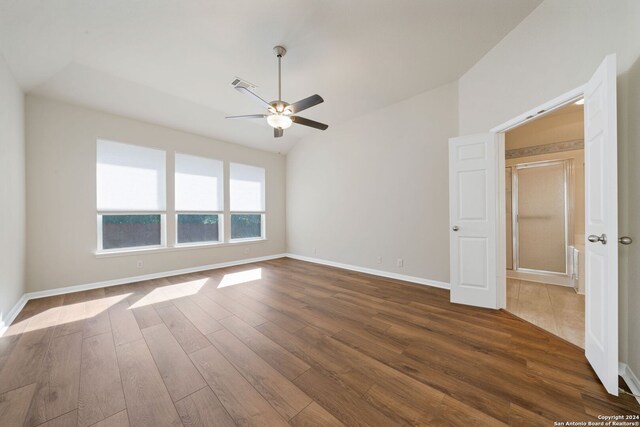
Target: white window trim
{"type": "Point", "coordinates": [153, 250]}
{"type": "Point", "coordinates": [263, 226]}
{"type": "Point", "coordinates": [221, 236]}
{"type": "Point", "coordinates": [163, 232]}
{"type": "Point", "coordinates": [169, 214]}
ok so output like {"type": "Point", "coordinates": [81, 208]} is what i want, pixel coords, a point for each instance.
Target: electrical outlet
{"type": "Point", "coordinates": [400, 262]}
{"type": "Point", "coordinates": [246, 251]}
{"type": "Point", "coordinates": [140, 264]}
{"type": "Point", "coordinates": [315, 252]}
{"type": "Point", "coordinates": [379, 260]}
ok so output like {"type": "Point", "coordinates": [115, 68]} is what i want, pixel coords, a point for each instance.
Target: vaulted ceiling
{"type": "Point", "coordinates": [171, 62]}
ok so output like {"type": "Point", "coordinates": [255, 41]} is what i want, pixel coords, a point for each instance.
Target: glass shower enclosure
{"type": "Point", "coordinates": [539, 217]}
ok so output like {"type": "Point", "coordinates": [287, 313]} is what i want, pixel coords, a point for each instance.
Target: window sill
{"type": "Point", "coordinates": [247, 240]}
{"type": "Point", "coordinates": [177, 248]}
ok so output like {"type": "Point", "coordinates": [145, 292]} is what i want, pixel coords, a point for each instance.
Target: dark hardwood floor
{"type": "Point", "coordinates": [286, 342]}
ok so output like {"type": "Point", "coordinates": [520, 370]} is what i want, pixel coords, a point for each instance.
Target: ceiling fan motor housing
{"type": "Point", "coordinates": [280, 107]}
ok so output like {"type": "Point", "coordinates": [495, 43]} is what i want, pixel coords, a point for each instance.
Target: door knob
{"type": "Point", "coordinates": [455, 228]}
{"type": "Point", "coordinates": [602, 239]}
{"type": "Point", "coordinates": [625, 240]}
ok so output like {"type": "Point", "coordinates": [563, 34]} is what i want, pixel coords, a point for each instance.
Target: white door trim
{"type": "Point", "coordinates": [535, 113]}
{"type": "Point", "coordinates": [601, 347]}
{"type": "Point", "coordinates": [541, 110]}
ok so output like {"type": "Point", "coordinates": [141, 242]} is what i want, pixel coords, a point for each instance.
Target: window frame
{"type": "Point", "coordinates": [101, 212]}
{"type": "Point", "coordinates": [169, 238]}
{"type": "Point", "coordinates": [263, 227]}
{"type": "Point", "coordinates": [263, 213]}
{"type": "Point", "coordinates": [163, 231]}
{"type": "Point", "coordinates": [220, 213]}
{"type": "Point", "coordinates": [221, 236]}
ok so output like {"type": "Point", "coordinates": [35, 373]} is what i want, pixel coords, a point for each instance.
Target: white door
{"type": "Point", "coordinates": [473, 220]}
{"type": "Point", "coordinates": [601, 223]}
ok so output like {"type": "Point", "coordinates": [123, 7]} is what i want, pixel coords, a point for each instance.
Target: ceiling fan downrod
{"type": "Point", "coordinates": [280, 52]}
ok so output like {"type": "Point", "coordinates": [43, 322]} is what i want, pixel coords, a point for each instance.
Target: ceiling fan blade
{"type": "Point", "coordinates": [303, 104]}
{"type": "Point", "coordinates": [277, 132]}
{"type": "Point", "coordinates": [248, 116]}
{"type": "Point", "coordinates": [311, 123]}
{"type": "Point", "coordinates": [255, 97]}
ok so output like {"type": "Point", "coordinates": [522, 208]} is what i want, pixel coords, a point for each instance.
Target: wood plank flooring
{"type": "Point", "coordinates": [285, 342]}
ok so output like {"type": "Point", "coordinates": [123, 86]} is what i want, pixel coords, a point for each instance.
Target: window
{"type": "Point", "coordinates": [131, 192]}
{"type": "Point", "coordinates": [247, 187]}
{"type": "Point", "coordinates": [125, 231]}
{"type": "Point", "coordinates": [131, 199]}
{"type": "Point", "coordinates": [199, 199]}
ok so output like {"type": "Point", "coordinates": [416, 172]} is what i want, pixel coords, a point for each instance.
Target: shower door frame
{"type": "Point", "coordinates": [568, 179]}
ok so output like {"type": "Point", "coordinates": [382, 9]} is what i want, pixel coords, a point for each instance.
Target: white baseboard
{"type": "Point", "coordinates": [12, 314]}
{"type": "Point", "coordinates": [630, 378]}
{"type": "Point", "coordinates": [125, 280]}
{"type": "Point", "coordinates": [4, 324]}
{"type": "Point", "coordinates": [388, 274]}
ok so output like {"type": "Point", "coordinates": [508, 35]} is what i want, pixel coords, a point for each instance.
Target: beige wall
{"type": "Point", "coordinates": [12, 193]}
{"type": "Point", "coordinates": [61, 191]}
{"type": "Point", "coordinates": [555, 49]}
{"type": "Point", "coordinates": [376, 187]}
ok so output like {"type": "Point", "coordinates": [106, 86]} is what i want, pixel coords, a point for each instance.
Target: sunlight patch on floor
{"type": "Point", "coordinates": [60, 315]}
{"type": "Point", "coordinates": [240, 277]}
{"type": "Point", "coordinates": [170, 292]}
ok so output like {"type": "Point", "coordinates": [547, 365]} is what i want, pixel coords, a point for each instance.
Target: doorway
{"type": "Point", "coordinates": [544, 204]}
{"type": "Point", "coordinates": [477, 211]}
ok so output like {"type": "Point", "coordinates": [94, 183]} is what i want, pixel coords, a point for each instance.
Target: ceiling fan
{"type": "Point", "coordinates": [280, 114]}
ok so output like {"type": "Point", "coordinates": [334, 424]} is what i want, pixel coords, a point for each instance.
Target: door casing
{"type": "Point", "coordinates": [533, 114]}
{"type": "Point", "coordinates": [601, 215]}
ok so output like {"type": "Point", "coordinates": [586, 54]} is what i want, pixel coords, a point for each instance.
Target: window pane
{"type": "Point", "coordinates": [246, 226]}
{"type": "Point", "coordinates": [197, 228]}
{"type": "Point", "coordinates": [247, 188]}
{"type": "Point", "coordinates": [129, 177]}
{"type": "Point", "coordinates": [198, 184]}
{"type": "Point", "coordinates": [130, 231]}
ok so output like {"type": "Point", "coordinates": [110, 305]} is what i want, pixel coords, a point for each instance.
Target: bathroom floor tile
{"type": "Point", "coordinates": [513, 288]}
{"type": "Point", "coordinates": [557, 309]}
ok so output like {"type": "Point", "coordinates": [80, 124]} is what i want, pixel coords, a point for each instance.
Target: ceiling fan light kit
{"type": "Point", "coordinates": [279, 121]}
{"type": "Point", "coordinates": [280, 113]}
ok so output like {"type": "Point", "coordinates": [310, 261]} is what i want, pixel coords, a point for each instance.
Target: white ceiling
{"type": "Point", "coordinates": [171, 62]}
